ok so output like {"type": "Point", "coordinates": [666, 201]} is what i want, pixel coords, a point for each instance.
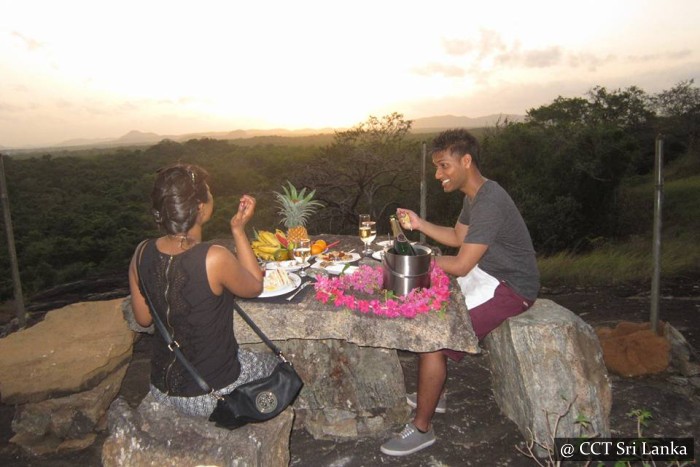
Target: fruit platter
{"type": "Point", "coordinates": [276, 246]}
{"type": "Point", "coordinates": [295, 207]}
{"type": "Point", "coordinates": [272, 246]}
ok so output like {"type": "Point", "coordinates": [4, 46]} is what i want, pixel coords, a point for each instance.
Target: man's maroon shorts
{"type": "Point", "coordinates": [490, 314]}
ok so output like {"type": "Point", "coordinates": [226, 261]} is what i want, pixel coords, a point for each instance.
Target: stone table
{"type": "Point", "coordinates": [354, 384]}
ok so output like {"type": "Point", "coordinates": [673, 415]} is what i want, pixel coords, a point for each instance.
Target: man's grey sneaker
{"type": "Point", "coordinates": [441, 407]}
{"type": "Point", "coordinates": [410, 440]}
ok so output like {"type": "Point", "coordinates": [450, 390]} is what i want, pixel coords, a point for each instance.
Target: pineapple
{"type": "Point", "coordinates": [295, 207]}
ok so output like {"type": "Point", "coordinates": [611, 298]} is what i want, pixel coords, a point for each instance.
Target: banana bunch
{"type": "Point", "coordinates": [269, 246]}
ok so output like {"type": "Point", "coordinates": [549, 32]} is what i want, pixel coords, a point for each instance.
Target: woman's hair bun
{"type": "Point", "coordinates": [178, 191]}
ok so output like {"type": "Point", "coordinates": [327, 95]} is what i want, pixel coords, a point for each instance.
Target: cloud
{"type": "Point", "coordinates": [10, 108]}
{"type": "Point", "coordinates": [589, 61]}
{"type": "Point", "coordinates": [544, 58]}
{"type": "Point", "coordinates": [64, 104]}
{"type": "Point", "coordinates": [489, 43]}
{"type": "Point", "coordinates": [28, 42]}
{"type": "Point", "coordinates": [457, 47]}
{"type": "Point", "coordinates": [128, 106]}
{"type": "Point", "coordinates": [433, 69]}
{"type": "Point", "coordinates": [536, 58]}
{"type": "Point", "coordinates": [677, 55]}
{"type": "Point", "coordinates": [489, 53]}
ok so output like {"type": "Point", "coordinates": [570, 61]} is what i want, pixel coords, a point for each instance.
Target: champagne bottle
{"type": "Point", "coordinates": [401, 244]}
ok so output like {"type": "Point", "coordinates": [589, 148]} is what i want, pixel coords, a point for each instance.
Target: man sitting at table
{"type": "Point", "coordinates": [495, 266]}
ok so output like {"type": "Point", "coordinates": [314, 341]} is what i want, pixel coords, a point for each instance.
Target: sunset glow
{"type": "Point", "coordinates": [81, 69]}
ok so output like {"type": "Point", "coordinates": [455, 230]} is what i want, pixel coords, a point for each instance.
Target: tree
{"type": "Point", "coordinates": [563, 111]}
{"type": "Point", "coordinates": [563, 168]}
{"type": "Point", "coordinates": [628, 108]}
{"type": "Point", "coordinates": [681, 100]}
{"type": "Point", "coordinates": [680, 106]}
{"type": "Point", "coordinates": [367, 168]}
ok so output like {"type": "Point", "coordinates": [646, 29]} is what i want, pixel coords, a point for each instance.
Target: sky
{"type": "Point", "coordinates": [101, 68]}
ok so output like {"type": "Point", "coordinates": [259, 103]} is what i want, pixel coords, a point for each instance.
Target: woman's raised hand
{"type": "Point", "coordinates": [246, 208]}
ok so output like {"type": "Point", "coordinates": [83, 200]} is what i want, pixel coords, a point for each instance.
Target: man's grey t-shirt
{"type": "Point", "coordinates": [494, 220]}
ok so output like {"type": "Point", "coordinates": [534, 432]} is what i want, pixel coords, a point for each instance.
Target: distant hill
{"type": "Point", "coordinates": [136, 138]}
{"type": "Point", "coordinates": [443, 122]}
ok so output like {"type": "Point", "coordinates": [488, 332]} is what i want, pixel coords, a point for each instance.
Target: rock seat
{"type": "Point", "coordinates": [547, 370]}
{"type": "Point", "coordinates": [156, 434]}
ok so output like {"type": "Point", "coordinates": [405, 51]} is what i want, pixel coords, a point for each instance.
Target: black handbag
{"type": "Point", "coordinates": [262, 399]}
{"type": "Point", "coordinates": [255, 401]}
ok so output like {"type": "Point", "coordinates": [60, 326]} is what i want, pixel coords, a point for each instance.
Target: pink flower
{"type": "Point", "coordinates": [368, 280]}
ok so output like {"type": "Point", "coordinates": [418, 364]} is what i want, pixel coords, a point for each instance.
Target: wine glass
{"type": "Point", "coordinates": [301, 253]}
{"type": "Point", "coordinates": [367, 232]}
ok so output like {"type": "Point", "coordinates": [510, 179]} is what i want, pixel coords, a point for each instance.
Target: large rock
{"type": "Point", "coordinates": [73, 349]}
{"type": "Point", "coordinates": [548, 370]}
{"type": "Point", "coordinates": [349, 391]}
{"type": "Point", "coordinates": [66, 423]}
{"type": "Point", "coordinates": [155, 434]}
{"type": "Point", "coordinates": [683, 356]}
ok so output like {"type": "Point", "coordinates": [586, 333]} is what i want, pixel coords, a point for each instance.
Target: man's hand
{"type": "Point", "coordinates": [414, 221]}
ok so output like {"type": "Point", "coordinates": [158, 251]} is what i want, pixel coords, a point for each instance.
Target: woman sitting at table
{"type": "Point", "coordinates": [192, 286]}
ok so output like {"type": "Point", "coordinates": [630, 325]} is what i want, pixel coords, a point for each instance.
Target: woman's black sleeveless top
{"type": "Point", "coordinates": [200, 321]}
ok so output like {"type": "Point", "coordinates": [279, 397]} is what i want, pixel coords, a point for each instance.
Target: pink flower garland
{"type": "Point", "coordinates": [368, 280]}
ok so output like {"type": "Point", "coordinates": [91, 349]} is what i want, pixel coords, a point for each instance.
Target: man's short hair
{"type": "Point", "coordinates": [457, 142]}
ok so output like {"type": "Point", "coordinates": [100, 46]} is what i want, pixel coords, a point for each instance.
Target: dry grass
{"type": "Point", "coordinates": [616, 264]}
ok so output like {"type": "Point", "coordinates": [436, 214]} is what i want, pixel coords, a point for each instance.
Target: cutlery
{"type": "Point", "coordinates": [301, 287]}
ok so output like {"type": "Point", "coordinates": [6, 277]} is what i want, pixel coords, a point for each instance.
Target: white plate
{"type": "Point", "coordinates": [296, 282]}
{"type": "Point", "coordinates": [289, 265]}
{"type": "Point", "coordinates": [378, 255]}
{"type": "Point", "coordinates": [335, 268]}
{"type": "Point", "coordinates": [353, 257]}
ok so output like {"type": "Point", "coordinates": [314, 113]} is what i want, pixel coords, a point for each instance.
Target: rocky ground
{"type": "Point", "coordinates": [473, 431]}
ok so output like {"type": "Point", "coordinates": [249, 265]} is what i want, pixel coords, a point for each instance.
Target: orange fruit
{"type": "Point", "coordinates": [321, 243]}
{"type": "Point", "coordinates": [317, 249]}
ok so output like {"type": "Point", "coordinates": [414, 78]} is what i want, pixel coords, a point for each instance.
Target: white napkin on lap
{"type": "Point", "coordinates": [477, 287]}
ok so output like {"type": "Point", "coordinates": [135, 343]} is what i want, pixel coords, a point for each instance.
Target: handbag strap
{"type": "Point", "coordinates": [257, 330]}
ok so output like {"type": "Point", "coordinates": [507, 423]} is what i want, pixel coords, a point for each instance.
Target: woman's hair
{"type": "Point", "coordinates": [457, 142]}
{"type": "Point", "coordinates": [177, 192]}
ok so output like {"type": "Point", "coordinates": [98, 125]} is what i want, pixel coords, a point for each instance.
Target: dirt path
{"type": "Point", "coordinates": [474, 432]}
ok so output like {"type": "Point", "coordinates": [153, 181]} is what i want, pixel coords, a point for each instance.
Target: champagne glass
{"type": "Point", "coordinates": [367, 232]}
{"type": "Point", "coordinates": [301, 254]}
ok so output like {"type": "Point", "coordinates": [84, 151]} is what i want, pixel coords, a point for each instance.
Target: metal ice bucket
{"type": "Point", "coordinates": [404, 273]}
